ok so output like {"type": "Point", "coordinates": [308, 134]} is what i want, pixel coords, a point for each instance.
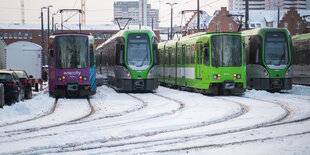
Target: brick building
{"type": "Point", "coordinates": [269, 4]}
{"type": "Point", "coordinates": [222, 22]}
{"type": "Point", "coordinates": [295, 21]}
{"type": "Point", "coordinates": [11, 33]}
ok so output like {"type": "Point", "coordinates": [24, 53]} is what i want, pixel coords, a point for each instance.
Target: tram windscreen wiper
{"type": "Point", "coordinates": [282, 59]}
{"type": "Point", "coordinates": [143, 60]}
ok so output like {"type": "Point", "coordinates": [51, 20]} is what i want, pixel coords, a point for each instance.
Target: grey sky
{"type": "Point", "coordinates": [99, 11]}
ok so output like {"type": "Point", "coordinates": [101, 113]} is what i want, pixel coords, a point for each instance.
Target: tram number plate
{"type": "Point", "coordinates": [229, 85]}
{"type": "Point", "coordinates": [72, 87]}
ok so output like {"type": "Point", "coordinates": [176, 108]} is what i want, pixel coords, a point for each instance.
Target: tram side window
{"type": "Point", "coordinates": [119, 54]}
{"type": "Point", "coordinates": [255, 50]}
{"type": "Point", "coordinates": [166, 57]}
{"type": "Point", "coordinates": [200, 54]}
{"type": "Point", "coordinates": [51, 56]}
{"type": "Point", "coordinates": [193, 54]}
{"type": "Point", "coordinates": [155, 51]}
{"type": "Point", "coordinates": [159, 56]}
{"type": "Point", "coordinates": [91, 54]}
{"type": "Point", "coordinates": [172, 58]}
{"type": "Point", "coordinates": [188, 54]}
{"type": "Point", "coordinates": [179, 56]}
{"type": "Point", "coordinates": [184, 54]}
{"type": "Point", "coordinates": [206, 60]}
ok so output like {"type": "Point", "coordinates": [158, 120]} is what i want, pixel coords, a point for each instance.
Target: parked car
{"type": "Point", "coordinates": [26, 81]}
{"type": "Point", "coordinates": [13, 88]}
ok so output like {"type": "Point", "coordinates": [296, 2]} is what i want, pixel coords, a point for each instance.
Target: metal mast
{"type": "Point", "coordinates": [22, 4]}
{"type": "Point", "coordinates": [83, 11]}
{"type": "Point", "coordinates": [171, 29]}
{"type": "Point", "coordinates": [198, 16]}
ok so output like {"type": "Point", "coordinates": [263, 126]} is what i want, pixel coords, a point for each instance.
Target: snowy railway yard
{"type": "Point", "coordinates": [167, 121]}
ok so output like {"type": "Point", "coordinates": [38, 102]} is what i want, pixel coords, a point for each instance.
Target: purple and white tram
{"type": "Point", "coordinates": [71, 65]}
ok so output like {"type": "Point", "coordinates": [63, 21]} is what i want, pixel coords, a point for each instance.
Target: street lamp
{"type": "Point", "coordinates": [48, 21]}
{"type": "Point", "coordinates": [198, 16]}
{"type": "Point", "coordinates": [171, 5]}
{"type": "Point", "coordinates": [56, 25]}
{"type": "Point", "coordinates": [53, 22]}
{"type": "Point", "coordinates": [42, 34]}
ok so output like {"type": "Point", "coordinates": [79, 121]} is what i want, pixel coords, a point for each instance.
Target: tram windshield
{"type": "Point", "coordinates": [138, 51]}
{"type": "Point", "coordinates": [226, 51]}
{"type": "Point", "coordinates": [276, 49]}
{"type": "Point", "coordinates": [71, 52]}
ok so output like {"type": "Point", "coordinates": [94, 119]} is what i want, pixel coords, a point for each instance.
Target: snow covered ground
{"type": "Point", "coordinates": [167, 121]}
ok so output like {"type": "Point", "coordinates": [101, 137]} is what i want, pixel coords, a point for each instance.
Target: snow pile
{"type": "Point", "coordinates": [26, 109]}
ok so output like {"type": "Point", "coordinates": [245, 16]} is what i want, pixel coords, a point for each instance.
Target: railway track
{"type": "Point", "coordinates": [71, 146]}
{"type": "Point", "coordinates": [144, 105]}
{"type": "Point", "coordinates": [34, 118]}
{"type": "Point", "coordinates": [14, 132]}
{"type": "Point", "coordinates": [150, 141]}
{"type": "Point", "coordinates": [166, 141]}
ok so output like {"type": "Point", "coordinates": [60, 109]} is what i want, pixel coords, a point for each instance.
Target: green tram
{"type": "Point", "coordinates": [268, 56]}
{"type": "Point", "coordinates": [301, 57]}
{"type": "Point", "coordinates": [209, 63]}
{"type": "Point", "coordinates": [128, 61]}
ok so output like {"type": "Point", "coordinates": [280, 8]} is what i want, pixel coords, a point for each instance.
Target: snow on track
{"type": "Point", "coordinates": [79, 108]}
{"type": "Point", "coordinates": [39, 106]}
{"type": "Point", "coordinates": [172, 122]}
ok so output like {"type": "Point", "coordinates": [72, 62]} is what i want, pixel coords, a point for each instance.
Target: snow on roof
{"type": "Point", "coordinates": [205, 19]}
{"type": "Point", "coordinates": [305, 14]}
{"type": "Point", "coordinates": [18, 26]}
{"type": "Point", "coordinates": [70, 27]}
{"type": "Point", "coordinates": [258, 18]}
{"type": "Point", "coordinates": [261, 15]}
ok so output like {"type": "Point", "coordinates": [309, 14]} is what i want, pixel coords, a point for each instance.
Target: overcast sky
{"type": "Point", "coordinates": [98, 11]}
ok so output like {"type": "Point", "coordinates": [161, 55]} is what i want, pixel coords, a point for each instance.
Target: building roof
{"type": "Point", "coordinates": [205, 19]}
{"type": "Point", "coordinates": [257, 18]}
{"type": "Point", "coordinates": [305, 14]}
{"type": "Point", "coordinates": [260, 17]}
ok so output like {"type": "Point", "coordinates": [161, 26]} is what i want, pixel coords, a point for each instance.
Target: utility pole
{"type": "Point", "coordinates": [246, 14]}
{"type": "Point", "coordinates": [22, 4]}
{"type": "Point", "coordinates": [53, 28]}
{"type": "Point", "coordinates": [48, 21]}
{"type": "Point", "coordinates": [171, 5]}
{"type": "Point", "coordinates": [278, 13]}
{"type": "Point", "coordinates": [83, 11]}
{"type": "Point", "coordinates": [152, 23]}
{"type": "Point", "coordinates": [42, 35]}
{"type": "Point", "coordinates": [198, 16]}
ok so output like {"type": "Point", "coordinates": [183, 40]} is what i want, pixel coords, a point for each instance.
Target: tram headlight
{"type": "Point", "coordinates": [217, 76]}
{"type": "Point", "coordinates": [237, 76]}
{"type": "Point", "coordinates": [83, 78]}
{"type": "Point", "coordinates": [152, 73]}
{"type": "Point", "coordinates": [61, 78]}
{"type": "Point", "coordinates": [288, 72]}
